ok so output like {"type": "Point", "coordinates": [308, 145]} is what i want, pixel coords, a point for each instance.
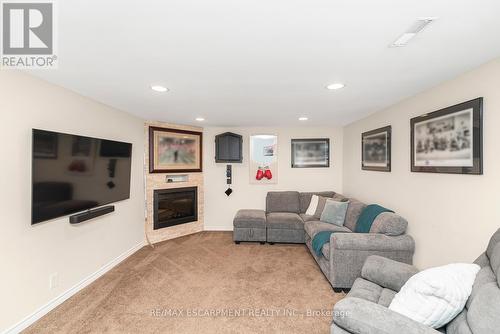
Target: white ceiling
{"type": "Point", "coordinates": [257, 63]}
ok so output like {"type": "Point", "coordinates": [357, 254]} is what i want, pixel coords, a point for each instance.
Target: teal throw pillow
{"type": "Point", "coordinates": [334, 212]}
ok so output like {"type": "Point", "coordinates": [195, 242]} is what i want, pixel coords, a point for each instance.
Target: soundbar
{"type": "Point", "coordinates": [91, 214]}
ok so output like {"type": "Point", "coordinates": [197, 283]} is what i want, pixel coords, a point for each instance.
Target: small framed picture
{"type": "Point", "coordinates": [449, 140]}
{"type": "Point", "coordinates": [376, 150]}
{"type": "Point", "coordinates": [310, 153]}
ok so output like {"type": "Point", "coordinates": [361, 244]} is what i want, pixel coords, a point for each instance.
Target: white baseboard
{"type": "Point", "coordinates": [218, 228]}
{"type": "Point", "coordinates": [29, 320]}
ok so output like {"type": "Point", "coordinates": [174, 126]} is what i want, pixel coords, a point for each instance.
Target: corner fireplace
{"type": "Point", "coordinates": [175, 206]}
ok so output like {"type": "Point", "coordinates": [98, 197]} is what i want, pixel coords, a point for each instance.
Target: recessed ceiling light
{"type": "Point", "coordinates": [158, 88]}
{"type": "Point", "coordinates": [335, 86]}
{"type": "Point", "coordinates": [303, 118]}
{"type": "Point", "coordinates": [200, 119]}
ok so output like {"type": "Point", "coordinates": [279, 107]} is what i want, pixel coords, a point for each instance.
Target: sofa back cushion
{"type": "Point", "coordinates": [305, 198]}
{"type": "Point", "coordinates": [483, 277]}
{"type": "Point", "coordinates": [389, 223]}
{"type": "Point", "coordinates": [493, 253]}
{"type": "Point", "coordinates": [340, 198]}
{"type": "Point", "coordinates": [480, 315]}
{"type": "Point", "coordinates": [483, 312]}
{"type": "Point", "coordinates": [495, 262]}
{"type": "Point", "coordinates": [494, 241]}
{"type": "Point", "coordinates": [353, 212]}
{"type": "Point", "coordinates": [283, 201]}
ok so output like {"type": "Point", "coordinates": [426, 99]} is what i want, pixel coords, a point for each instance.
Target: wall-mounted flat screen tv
{"type": "Point", "coordinates": [72, 173]}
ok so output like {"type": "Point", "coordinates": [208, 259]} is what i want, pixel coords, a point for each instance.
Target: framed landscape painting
{"type": "Point", "coordinates": [449, 140]}
{"type": "Point", "coordinates": [310, 153]}
{"type": "Point", "coordinates": [172, 150]}
{"type": "Point", "coordinates": [376, 150]}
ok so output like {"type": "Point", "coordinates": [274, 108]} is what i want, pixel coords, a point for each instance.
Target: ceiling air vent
{"type": "Point", "coordinates": [416, 28]}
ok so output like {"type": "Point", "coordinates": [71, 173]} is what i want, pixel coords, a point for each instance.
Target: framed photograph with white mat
{"type": "Point", "coordinates": [449, 140]}
{"type": "Point", "coordinates": [311, 153]}
{"type": "Point", "coordinates": [376, 149]}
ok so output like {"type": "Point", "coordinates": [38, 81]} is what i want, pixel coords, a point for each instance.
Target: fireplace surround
{"type": "Point", "coordinates": [174, 206]}
{"type": "Point", "coordinates": [159, 181]}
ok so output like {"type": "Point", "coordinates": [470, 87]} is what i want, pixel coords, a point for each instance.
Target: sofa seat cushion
{"type": "Point", "coordinates": [459, 325]}
{"type": "Point", "coordinates": [313, 227]}
{"type": "Point", "coordinates": [372, 292]}
{"type": "Point", "coordinates": [283, 201]}
{"type": "Point", "coordinates": [307, 218]}
{"type": "Point", "coordinates": [250, 218]}
{"type": "Point", "coordinates": [386, 297]}
{"type": "Point", "coordinates": [284, 220]}
{"type": "Point", "coordinates": [366, 290]}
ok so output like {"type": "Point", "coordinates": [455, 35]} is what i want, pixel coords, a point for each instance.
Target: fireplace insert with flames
{"type": "Point", "coordinates": [175, 206]}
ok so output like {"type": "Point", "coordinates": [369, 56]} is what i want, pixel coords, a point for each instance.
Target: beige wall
{"type": "Point", "coordinates": [220, 209]}
{"type": "Point", "coordinates": [30, 254]}
{"type": "Point", "coordinates": [451, 216]}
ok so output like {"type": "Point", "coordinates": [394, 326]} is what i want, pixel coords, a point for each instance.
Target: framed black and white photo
{"type": "Point", "coordinates": [376, 150]}
{"type": "Point", "coordinates": [310, 153]}
{"type": "Point", "coordinates": [449, 140]}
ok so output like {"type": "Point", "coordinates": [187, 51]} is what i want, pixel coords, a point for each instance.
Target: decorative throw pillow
{"type": "Point", "coordinates": [437, 295]}
{"type": "Point", "coordinates": [334, 212]}
{"type": "Point", "coordinates": [312, 205]}
{"type": "Point", "coordinates": [321, 205]}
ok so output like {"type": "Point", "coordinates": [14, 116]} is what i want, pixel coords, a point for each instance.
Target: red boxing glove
{"type": "Point", "coordinates": [268, 174]}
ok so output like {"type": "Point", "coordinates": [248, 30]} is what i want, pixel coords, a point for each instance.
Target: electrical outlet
{"type": "Point", "coordinates": [53, 281]}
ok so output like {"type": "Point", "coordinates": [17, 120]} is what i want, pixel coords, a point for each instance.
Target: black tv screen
{"type": "Point", "coordinates": [74, 173]}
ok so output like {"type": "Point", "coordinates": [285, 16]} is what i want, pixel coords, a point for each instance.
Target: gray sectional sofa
{"type": "Point", "coordinates": [365, 309]}
{"type": "Point", "coordinates": [341, 260]}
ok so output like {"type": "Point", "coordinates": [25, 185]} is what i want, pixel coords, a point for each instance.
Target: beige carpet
{"type": "Point", "coordinates": [202, 283]}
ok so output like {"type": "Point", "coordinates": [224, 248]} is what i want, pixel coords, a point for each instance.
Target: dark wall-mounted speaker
{"type": "Point", "coordinates": [91, 214]}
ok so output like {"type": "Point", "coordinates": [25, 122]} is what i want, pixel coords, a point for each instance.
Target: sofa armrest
{"type": "Point", "coordinates": [360, 316]}
{"type": "Point", "coordinates": [372, 242]}
{"type": "Point", "coordinates": [386, 272]}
